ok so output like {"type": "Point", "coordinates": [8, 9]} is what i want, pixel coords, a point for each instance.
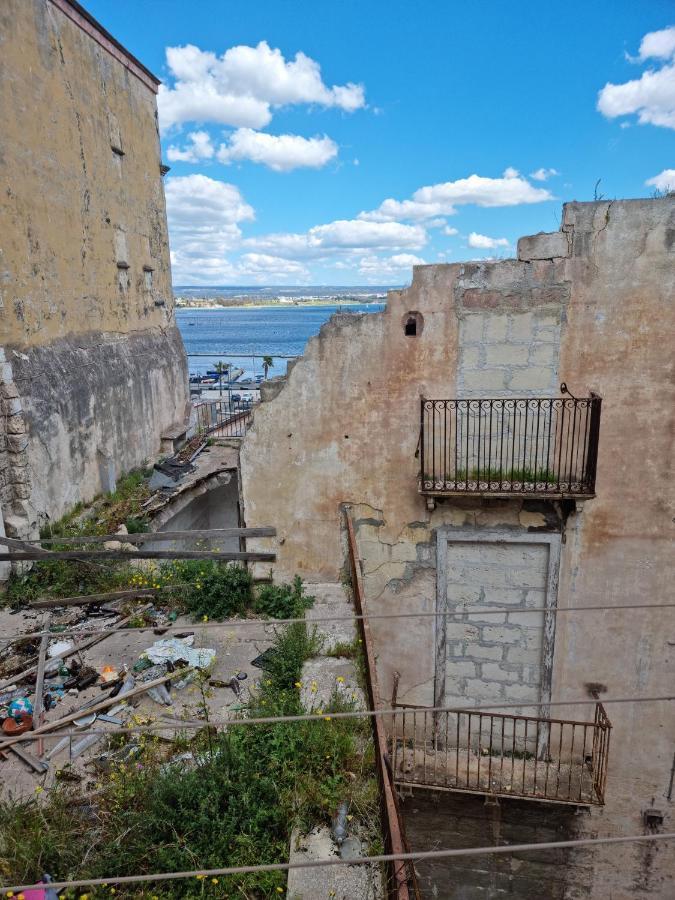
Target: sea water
{"type": "Point", "coordinates": [242, 335]}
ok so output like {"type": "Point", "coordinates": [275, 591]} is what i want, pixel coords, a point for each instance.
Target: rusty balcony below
{"type": "Point", "coordinates": [543, 447]}
{"type": "Point", "coordinates": [497, 755]}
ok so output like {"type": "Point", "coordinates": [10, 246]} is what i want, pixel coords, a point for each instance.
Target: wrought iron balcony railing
{"type": "Point", "coordinates": [554, 760]}
{"type": "Point", "coordinates": [224, 418]}
{"type": "Point", "coordinates": [510, 446]}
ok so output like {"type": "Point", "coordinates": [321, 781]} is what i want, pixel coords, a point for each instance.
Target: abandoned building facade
{"type": "Point", "coordinates": [476, 484]}
{"type": "Point", "coordinates": [93, 367]}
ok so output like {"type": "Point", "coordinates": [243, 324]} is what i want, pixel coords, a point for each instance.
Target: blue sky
{"type": "Point", "coordinates": [295, 155]}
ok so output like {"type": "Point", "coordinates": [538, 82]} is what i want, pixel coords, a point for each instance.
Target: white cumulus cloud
{"type": "Point", "coordinates": [340, 237]}
{"type": "Point", "coordinates": [435, 200]}
{"type": "Point", "coordinates": [543, 174]}
{"type": "Point", "coordinates": [450, 231]}
{"type": "Point", "coordinates": [281, 152]}
{"type": "Point", "coordinates": [374, 268]}
{"type": "Point", "coordinates": [204, 216]}
{"type": "Point", "coordinates": [242, 86]}
{"type": "Point", "coordinates": [652, 96]}
{"type": "Point", "coordinates": [483, 242]}
{"type": "Point", "coordinates": [262, 265]}
{"type": "Point", "coordinates": [664, 181]}
{"type": "Point", "coordinates": [199, 148]}
{"type": "Point", "coordinates": [658, 44]}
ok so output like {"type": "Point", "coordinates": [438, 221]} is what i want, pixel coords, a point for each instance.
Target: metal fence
{"type": "Point", "coordinates": [555, 760]}
{"type": "Point", "coordinates": [510, 446]}
{"type": "Point", "coordinates": [222, 418]}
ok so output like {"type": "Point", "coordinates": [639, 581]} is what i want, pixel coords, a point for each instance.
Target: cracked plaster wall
{"type": "Point", "coordinates": [86, 306]}
{"type": "Point", "coordinates": [344, 429]}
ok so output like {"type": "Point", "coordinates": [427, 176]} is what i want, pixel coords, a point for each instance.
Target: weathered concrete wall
{"type": "Point", "coordinates": [592, 306]}
{"type": "Point", "coordinates": [86, 307]}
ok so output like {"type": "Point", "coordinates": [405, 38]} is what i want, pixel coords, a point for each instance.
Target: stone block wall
{"type": "Point", "coordinates": [493, 657]}
{"type": "Point", "coordinates": [15, 473]}
{"type": "Point", "coordinates": [509, 354]}
{"type": "Point", "coordinates": [98, 369]}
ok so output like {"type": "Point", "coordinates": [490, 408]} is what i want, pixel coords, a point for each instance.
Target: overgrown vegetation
{"type": "Point", "coordinates": [283, 601]}
{"type": "Point", "coordinates": [238, 807]}
{"type": "Point", "coordinates": [63, 578]}
{"type": "Point", "coordinates": [209, 588]}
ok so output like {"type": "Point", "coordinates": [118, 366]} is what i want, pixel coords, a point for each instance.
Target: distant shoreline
{"type": "Point", "coordinates": [328, 301]}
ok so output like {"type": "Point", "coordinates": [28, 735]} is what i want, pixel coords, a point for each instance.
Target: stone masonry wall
{"type": "Point", "coordinates": [344, 431]}
{"type": "Point", "coordinates": [509, 354]}
{"type": "Point", "coordinates": [98, 369]}
{"type": "Point", "coordinates": [497, 656]}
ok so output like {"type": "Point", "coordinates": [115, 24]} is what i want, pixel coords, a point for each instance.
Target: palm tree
{"type": "Point", "coordinates": [267, 363]}
{"type": "Point", "coordinates": [221, 368]}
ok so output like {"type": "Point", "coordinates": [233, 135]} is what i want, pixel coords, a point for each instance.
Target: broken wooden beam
{"type": "Point", "coordinates": [145, 537]}
{"type": "Point", "coordinates": [87, 599]}
{"type": "Point", "coordinates": [38, 765]}
{"type": "Point", "coordinates": [39, 706]}
{"type": "Point", "coordinates": [87, 555]}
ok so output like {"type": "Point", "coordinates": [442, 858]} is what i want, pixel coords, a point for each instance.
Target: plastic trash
{"type": "Point", "coordinates": [340, 824]}
{"type": "Point", "coordinates": [173, 649]}
{"type": "Point", "coordinates": [160, 695]}
{"type": "Point", "coordinates": [20, 706]}
{"type": "Point", "coordinates": [58, 647]}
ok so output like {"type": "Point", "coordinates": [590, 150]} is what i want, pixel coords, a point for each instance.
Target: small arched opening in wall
{"type": "Point", "coordinates": [413, 323]}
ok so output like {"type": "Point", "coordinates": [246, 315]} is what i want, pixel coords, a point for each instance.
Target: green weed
{"type": "Point", "coordinates": [283, 601]}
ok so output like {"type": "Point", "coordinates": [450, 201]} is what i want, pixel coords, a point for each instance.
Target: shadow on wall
{"type": "Point", "coordinates": [217, 508]}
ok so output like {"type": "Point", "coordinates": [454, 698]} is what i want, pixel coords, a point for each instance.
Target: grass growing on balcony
{"type": "Point", "coordinates": [524, 475]}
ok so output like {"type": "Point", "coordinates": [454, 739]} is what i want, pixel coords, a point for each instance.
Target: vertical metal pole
{"type": "Point", "coordinates": [422, 439]}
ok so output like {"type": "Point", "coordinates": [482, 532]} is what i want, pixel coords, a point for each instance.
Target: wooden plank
{"type": "Point", "coordinates": [93, 598]}
{"type": "Point", "coordinates": [21, 545]}
{"type": "Point", "coordinates": [38, 706]}
{"type": "Point", "coordinates": [97, 707]}
{"type": "Point", "coordinates": [87, 555]}
{"type": "Point", "coordinates": [77, 648]}
{"type": "Point", "coordinates": [39, 765]}
{"type": "Point", "coordinates": [145, 537]}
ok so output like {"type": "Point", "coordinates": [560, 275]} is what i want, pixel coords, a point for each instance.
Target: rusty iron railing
{"type": "Point", "coordinates": [401, 882]}
{"type": "Point", "coordinates": [494, 754]}
{"type": "Point", "coordinates": [220, 418]}
{"type": "Point", "coordinates": [506, 446]}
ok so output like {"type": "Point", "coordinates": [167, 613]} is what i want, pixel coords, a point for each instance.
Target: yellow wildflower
{"type": "Point", "coordinates": [214, 881]}
{"type": "Point", "coordinates": [205, 618]}
{"type": "Point", "coordinates": [340, 679]}
{"type": "Point", "coordinates": [298, 684]}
